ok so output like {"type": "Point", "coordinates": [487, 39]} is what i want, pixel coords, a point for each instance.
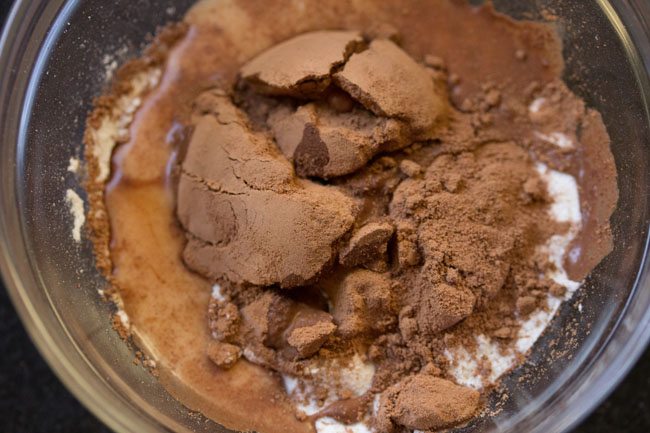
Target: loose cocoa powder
{"type": "Point", "coordinates": [429, 240]}
{"type": "Point", "coordinates": [464, 216]}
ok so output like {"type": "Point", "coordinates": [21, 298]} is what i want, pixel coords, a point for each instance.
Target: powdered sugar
{"type": "Point", "coordinates": [217, 293]}
{"type": "Point", "coordinates": [76, 206]}
{"type": "Point", "coordinates": [124, 319]}
{"type": "Point", "coordinates": [357, 375]}
{"type": "Point", "coordinates": [565, 208]}
{"type": "Point", "coordinates": [559, 139]}
{"type": "Point", "coordinates": [73, 165]}
{"type": "Point", "coordinates": [466, 369]}
{"type": "Point", "coordinates": [536, 105]}
{"type": "Point", "coordinates": [354, 375]}
{"type": "Point", "coordinates": [330, 425]}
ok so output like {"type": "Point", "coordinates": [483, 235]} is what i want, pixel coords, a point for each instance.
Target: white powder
{"type": "Point", "coordinates": [250, 355]}
{"type": "Point", "coordinates": [375, 404]}
{"type": "Point", "coordinates": [330, 425]}
{"type": "Point", "coordinates": [110, 65]}
{"type": "Point", "coordinates": [536, 105]}
{"type": "Point", "coordinates": [217, 293]}
{"type": "Point", "coordinates": [565, 208]}
{"type": "Point", "coordinates": [559, 139]}
{"type": "Point", "coordinates": [113, 128]}
{"type": "Point", "coordinates": [110, 62]}
{"type": "Point", "coordinates": [354, 375]}
{"type": "Point", "coordinates": [302, 396]}
{"type": "Point", "coordinates": [490, 351]}
{"type": "Point", "coordinates": [358, 375]}
{"type": "Point", "coordinates": [76, 206]}
{"type": "Point", "coordinates": [533, 327]}
{"type": "Point", "coordinates": [124, 319]}
{"type": "Point", "coordinates": [73, 165]}
{"type": "Point", "coordinates": [290, 383]}
{"type": "Point", "coordinates": [465, 367]}
{"type": "Point", "coordinates": [563, 189]}
{"type": "Point", "coordinates": [556, 247]}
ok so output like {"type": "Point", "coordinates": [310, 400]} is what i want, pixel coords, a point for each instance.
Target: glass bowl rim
{"type": "Point", "coordinates": [50, 17]}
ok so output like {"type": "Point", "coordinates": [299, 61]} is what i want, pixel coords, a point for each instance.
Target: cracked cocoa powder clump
{"type": "Point", "coordinates": [242, 205]}
{"type": "Point", "coordinates": [373, 202]}
{"type": "Point", "coordinates": [443, 238]}
{"type": "Point", "coordinates": [424, 402]}
{"type": "Point", "coordinates": [365, 113]}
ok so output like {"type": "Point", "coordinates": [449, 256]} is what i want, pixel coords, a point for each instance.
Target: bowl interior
{"type": "Point", "coordinates": [59, 64]}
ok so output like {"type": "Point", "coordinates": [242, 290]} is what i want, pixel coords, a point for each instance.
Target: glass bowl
{"type": "Point", "coordinates": [53, 58]}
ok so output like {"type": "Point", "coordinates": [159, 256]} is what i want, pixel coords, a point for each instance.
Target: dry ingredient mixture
{"type": "Point", "coordinates": [344, 216]}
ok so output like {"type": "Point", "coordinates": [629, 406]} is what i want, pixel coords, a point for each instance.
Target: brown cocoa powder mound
{"type": "Point", "coordinates": [308, 339]}
{"type": "Point", "coordinates": [444, 307]}
{"type": "Point", "coordinates": [424, 402]}
{"type": "Point", "coordinates": [364, 303]}
{"type": "Point", "coordinates": [473, 219]}
{"type": "Point", "coordinates": [469, 225]}
{"type": "Point", "coordinates": [387, 81]}
{"type": "Point", "coordinates": [273, 330]}
{"type": "Point", "coordinates": [466, 133]}
{"type": "Point", "coordinates": [468, 214]}
{"type": "Point", "coordinates": [367, 245]}
{"type": "Point", "coordinates": [224, 355]}
{"type": "Point", "coordinates": [247, 217]}
{"type": "Point", "coordinates": [378, 99]}
{"type": "Point", "coordinates": [301, 65]}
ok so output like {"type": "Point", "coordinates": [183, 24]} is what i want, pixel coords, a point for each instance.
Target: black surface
{"type": "Point", "coordinates": [32, 399]}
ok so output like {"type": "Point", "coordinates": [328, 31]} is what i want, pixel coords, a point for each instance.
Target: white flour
{"type": "Point", "coordinates": [76, 206]}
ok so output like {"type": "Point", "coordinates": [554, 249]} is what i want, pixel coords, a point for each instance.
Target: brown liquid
{"type": "Point", "coordinates": [166, 303]}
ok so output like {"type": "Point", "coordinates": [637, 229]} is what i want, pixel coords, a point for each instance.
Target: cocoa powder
{"type": "Point", "coordinates": [464, 215]}
{"type": "Point", "coordinates": [390, 217]}
{"type": "Point", "coordinates": [424, 402]}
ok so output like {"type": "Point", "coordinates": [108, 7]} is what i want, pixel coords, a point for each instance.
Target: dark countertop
{"type": "Point", "coordinates": [33, 400]}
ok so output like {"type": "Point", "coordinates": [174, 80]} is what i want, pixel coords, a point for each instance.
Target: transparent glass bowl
{"type": "Point", "coordinates": [52, 63]}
